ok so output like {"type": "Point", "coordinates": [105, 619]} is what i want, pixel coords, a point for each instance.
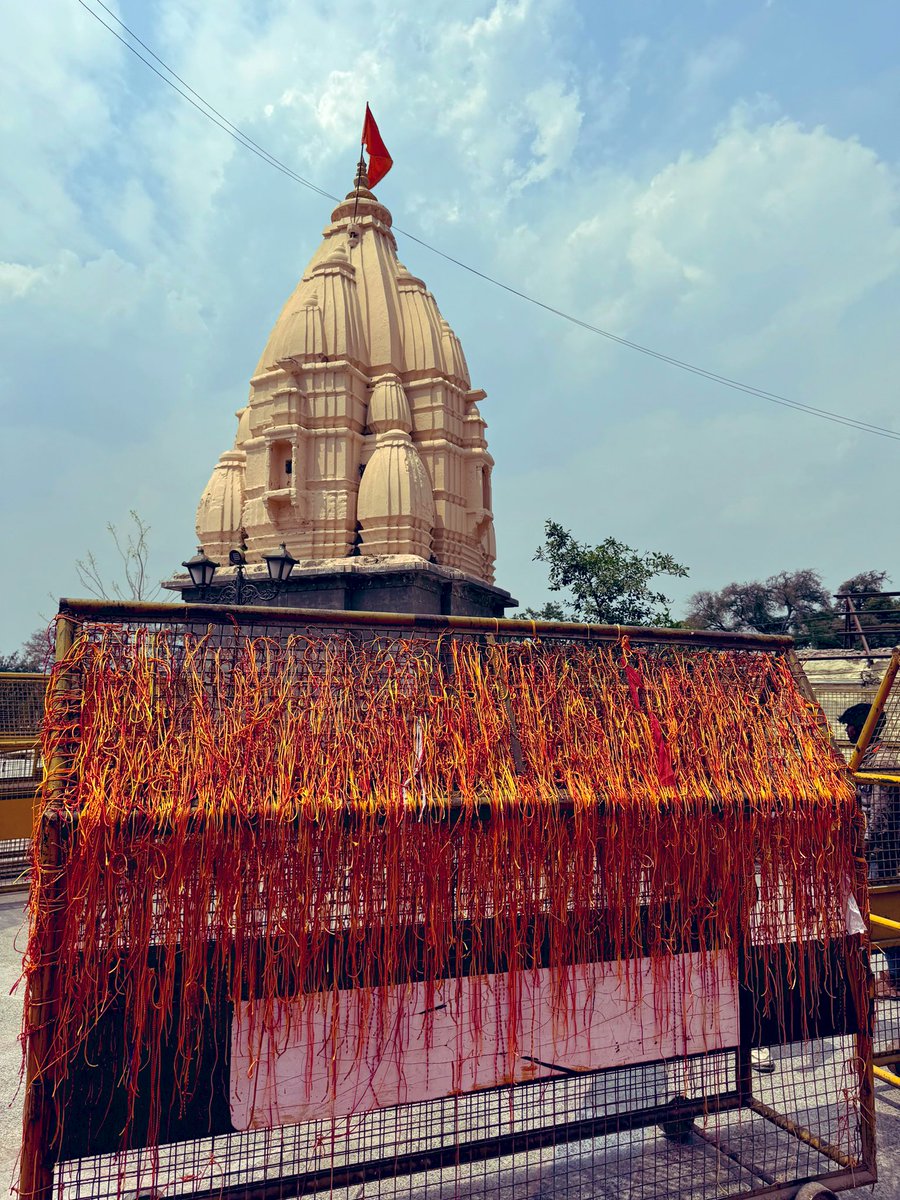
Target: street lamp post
{"type": "Point", "coordinates": [202, 570]}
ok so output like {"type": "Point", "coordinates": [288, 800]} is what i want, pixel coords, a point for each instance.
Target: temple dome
{"type": "Point", "coordinates": [399, 324]}
{"type": "Point", "coordinates": [388, 407]}
{"type": "Point", "coordinates": [221, 505]}
{"type": "Point", "coordinates": [243, 433]}
{"type": "Point", "coordinates": [395, 508]}
{"type": "Point", "coordinates": [421, 320]}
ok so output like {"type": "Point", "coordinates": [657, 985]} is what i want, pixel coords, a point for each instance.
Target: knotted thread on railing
{"type": "Point", "coordinates": [313, 815]}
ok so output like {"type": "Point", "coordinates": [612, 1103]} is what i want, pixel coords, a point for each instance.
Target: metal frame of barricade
{"type": "Point", "coordinates": [618, 1105]}
{"type": "Point", "coordinates": [880, 787]}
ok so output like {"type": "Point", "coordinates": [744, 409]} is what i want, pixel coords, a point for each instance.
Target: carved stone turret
{"type": "Point", "coordinates": [361, 446]}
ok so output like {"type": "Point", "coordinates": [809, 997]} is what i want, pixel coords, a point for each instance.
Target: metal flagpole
{"type": "Point", "coordinates": [360, 168]}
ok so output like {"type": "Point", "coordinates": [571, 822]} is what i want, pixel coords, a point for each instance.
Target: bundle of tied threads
{"type": "Point", "coordinates": [330, 814]}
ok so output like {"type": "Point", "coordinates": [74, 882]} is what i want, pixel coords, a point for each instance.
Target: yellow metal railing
{"type": "Point", "coordinates": [876, 712]}
{"type": "Point", "coordinates": [21, 713]}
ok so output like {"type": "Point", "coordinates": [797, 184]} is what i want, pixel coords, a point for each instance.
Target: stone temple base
{"type": "Point", "coordinates": [389, 583]}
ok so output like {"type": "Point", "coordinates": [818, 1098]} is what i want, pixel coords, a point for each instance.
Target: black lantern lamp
{"type": "Point", "coordinates": [201, 569]}
{"type": "Point", "coordinates": [280, 565]}
{"type": "Point", "coordinates": [241, 590]}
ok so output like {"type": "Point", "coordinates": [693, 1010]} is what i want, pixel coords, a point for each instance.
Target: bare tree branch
{"type": "Point", "coordinates": [133, 549]}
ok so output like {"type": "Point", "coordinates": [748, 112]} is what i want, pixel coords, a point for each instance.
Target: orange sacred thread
{"type": "Point", "coordinates": [253, 807]}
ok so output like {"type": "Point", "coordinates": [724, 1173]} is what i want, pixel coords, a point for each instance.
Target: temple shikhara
{"type": "Point", "coordinates": [362, 446]}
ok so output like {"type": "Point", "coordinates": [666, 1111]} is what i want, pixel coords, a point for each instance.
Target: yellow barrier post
{"type": "Point", "coordinates": [875, 712]}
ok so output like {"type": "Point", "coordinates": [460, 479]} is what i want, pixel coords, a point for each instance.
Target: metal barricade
{"type": "Point", "coordinates": [645, 1097]}
{"type": "Point", "coordinates": [875, 762]}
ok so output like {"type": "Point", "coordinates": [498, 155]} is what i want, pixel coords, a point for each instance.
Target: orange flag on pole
{"type": "Point", "coordinates": [380, 162]}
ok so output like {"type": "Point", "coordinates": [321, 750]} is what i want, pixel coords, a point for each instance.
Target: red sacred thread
{"type": "Point", "coordinates": [635, 688]}
{"type": "Point", "coordinates": [251, 807]}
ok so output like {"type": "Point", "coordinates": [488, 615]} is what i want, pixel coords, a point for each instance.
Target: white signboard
{"type": "Point", "coordinates": [335, 1054]}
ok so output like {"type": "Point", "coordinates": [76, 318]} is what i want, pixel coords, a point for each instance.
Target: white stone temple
{"type": "Point", "coordinates": [361, 446]}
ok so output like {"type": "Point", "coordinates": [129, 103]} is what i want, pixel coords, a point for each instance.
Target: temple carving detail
{"type": "Point", "coordinates": [362, 435]}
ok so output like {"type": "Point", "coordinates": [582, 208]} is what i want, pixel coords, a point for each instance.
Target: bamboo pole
{"type": "Point", "coordinates": [253, 614]}
{"type": "Point", "coordinates": [38, 1122]}
{"type": "Point", "coordinates": [802, 1134]}
{"type": "Point", "coordinates": [875, 712]}
{"type": "Point", "coordinates": [877, 777]}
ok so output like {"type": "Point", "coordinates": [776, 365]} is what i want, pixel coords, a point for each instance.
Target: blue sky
{"type": "Point", "coordinates": [719, 181]}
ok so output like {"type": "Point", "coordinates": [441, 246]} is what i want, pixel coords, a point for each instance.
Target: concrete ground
{"type": "Point", "coordinates": [12, 939]}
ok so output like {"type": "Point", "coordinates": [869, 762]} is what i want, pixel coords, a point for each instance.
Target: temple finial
{"type": "Point", "coordinates": [360, 189]}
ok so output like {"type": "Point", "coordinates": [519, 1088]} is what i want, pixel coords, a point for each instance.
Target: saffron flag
{"type": "Point", "coordinates": [380, 162]}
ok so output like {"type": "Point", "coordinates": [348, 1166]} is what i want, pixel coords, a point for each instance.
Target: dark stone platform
{"type": "Point", "coordinates": [395, 583]}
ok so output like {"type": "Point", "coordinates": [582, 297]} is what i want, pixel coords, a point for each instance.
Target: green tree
{"type": "Point", "coordinates": [33, 655]}
{"type": "Point", "coordinates": [607, 584]}
{"type": "Point", "coordinates": [794, 603]}
{"type": "Point", "coordinates": [791, 602]}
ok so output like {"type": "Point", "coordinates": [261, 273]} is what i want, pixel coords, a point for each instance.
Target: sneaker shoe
{"type": "Point", "coordinates": [761, 1060]}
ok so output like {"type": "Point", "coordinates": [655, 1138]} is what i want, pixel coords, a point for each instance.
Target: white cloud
{"type": "Point", "coordinates": [556, 115]}
{"type": "Point", "coordinates": [17, 278]}
{"type": "Point", "coordinates": [708, 65]}
{"type": "Point", "coordinates": [773, 257]}
{"type": "Point", "coordinates": [56, 86]}
{"type": "Point", "coordinates": [144, 256]}
{"type": "Point", "coordinates": [607, 101]}
{"type": "Point", "coordinates": [504, 14]}
{"type": "Point", "coordinates": [774, 230]}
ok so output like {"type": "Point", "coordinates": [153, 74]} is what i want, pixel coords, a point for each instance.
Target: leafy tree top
{"type": "Point", "coordinates": [607, 584]}
{"type": "Point", "coordinates": [794, 603]}
{"type": "Point", "coordinates": [35, 654]}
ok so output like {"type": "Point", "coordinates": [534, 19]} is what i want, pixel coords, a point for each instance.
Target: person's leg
{"type": "Point", "coordinates": [761, 1060]}
{"type": "Point", "coordinates": [892, 962]}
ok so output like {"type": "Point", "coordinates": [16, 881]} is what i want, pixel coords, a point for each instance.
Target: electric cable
{"type": "Point", "coordinates": [219, 119]}
{"type": "Point", "coordinates": [224, 124]}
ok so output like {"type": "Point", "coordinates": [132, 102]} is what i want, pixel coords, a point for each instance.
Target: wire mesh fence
{"type": "Point", "coordinates": [21, 708]}
{"type": "Point", "coordinates": [698, 1118]}
{"type": "Point", "coordinates": [876, 759]}
{"type": "Point", "coordinates": [880, 754]}
{"type": "Point", "coordinates": [836, 698]}
{"type": "Point", "coordinates": [886, 1032]}
{"type": "Point", "coordinates": [876, 763]}
{"type": "Point", "coordinates": [624, 1132]}
{"type": "Point", "coordinates": [21, 713]}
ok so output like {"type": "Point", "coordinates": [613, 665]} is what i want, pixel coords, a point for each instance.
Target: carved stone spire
{"type": "Point", "coordinates": [362, 434]}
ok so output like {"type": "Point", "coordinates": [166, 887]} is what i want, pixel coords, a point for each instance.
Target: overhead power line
{"type": "Point", "coordinates": [212, 114]}
{"type": "Point", "coordinates": [193, 97]}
